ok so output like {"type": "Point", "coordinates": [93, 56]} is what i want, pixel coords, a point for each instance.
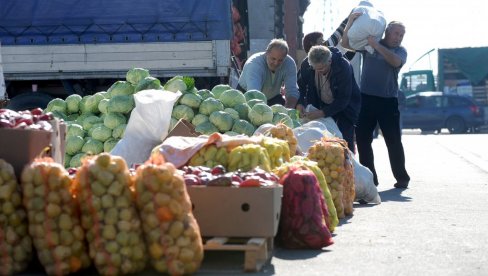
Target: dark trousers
{"type": "Point", "coordinates": [382, 111]}
{"type": "Point", "coordinates": [347, 129]}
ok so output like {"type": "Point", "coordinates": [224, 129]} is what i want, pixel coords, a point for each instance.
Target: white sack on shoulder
{"type": "Point", "coordinates": [372, 22]}
{"type": "Point", "coordinates": [148, 125]}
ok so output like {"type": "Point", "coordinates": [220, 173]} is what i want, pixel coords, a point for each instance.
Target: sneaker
{"type": "Point", "coordinates": [401, 185]}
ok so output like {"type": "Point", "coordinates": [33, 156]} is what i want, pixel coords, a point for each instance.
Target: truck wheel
{"type": "Point", "coordinates": [29, 100]}
{"type": "Point", "coordinates": [456, 125]}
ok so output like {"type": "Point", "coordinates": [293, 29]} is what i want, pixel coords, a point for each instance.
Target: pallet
{"type": "Point", "coordinates": [257, 251]}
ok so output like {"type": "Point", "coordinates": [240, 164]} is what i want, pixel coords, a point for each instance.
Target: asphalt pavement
{"type": "Point", "coordinates": [438, 226]}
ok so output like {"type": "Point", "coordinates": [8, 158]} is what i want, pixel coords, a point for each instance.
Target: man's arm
{"type": "Point", "coordinates": [291, 87]}
{"type": "Point", "coordinates": [252, 76]}
{"type": "Point", "coordinates": [345, 38]}
{"type": "Point", "coordinates": [390, 57]}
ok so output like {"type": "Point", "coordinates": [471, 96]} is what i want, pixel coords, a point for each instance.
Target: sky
{"type": "Point", "coordinates": [430, 24]}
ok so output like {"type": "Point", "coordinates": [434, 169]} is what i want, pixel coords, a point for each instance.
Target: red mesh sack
{"type": "Point", "coordinates": [303, 210]}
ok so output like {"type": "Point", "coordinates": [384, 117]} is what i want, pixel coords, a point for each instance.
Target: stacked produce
{"type": "Point", "coordinates": [34, 119]}
{"type": "Point", "coordinates": [53, 218]}
{"type": "Point", "coordinates": [210, 156]}
{"type": "Point", "coordinates": [229, 111]}
{"type": "Point", "coordinates": [330, 155]}
{"type": "Point", "coordinates": [108, 215]}
{"type": "Point", "coordinates": [15, 243]}
{"type": "Point", "coordinates": [217, 177]}
{"type": "Point", "coordinates": [278, 151]}
{"type": "Point", "coordinates": [97, 122]}
{"type": "Point", "coordinates": [284, 132]}
{"type": "Point", "coordinates": [172, 233]}
{"type": "Point", "coordinates": [331, 218]}
{"type": "Point", "coordinates": [247, 157]}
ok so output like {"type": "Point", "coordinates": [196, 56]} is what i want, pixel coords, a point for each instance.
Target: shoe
{"type": "Point", "coordinates": [401, 185]}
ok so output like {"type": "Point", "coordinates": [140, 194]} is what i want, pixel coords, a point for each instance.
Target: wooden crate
{"type": "Point", "coordinates": [257, 251]}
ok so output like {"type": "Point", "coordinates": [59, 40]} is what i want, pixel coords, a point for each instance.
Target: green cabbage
{"type": "Point", "coordinates": [135, 75]}
{"type": "Point", "coordinates": [232, 112]}
{"type": "Point", "coordinates": [102, 106]}
{"type": "Point", "coordinates": [67, 159]}
{"type": "Point", "coordinates": [183, 112]}
{"type": "Point", "coordinates": [198, 119]}
{"type": "Point", "coordinates": [89, 104]}
{"type": "Point", "coordinates": [232, 97]}
{"type": "Point", "coordinates": [252, 102]}
{"type": "Point", "coordinates": [243, 127]}
{"type": "Point", "coordinates": [118, 131]}
{"type": "Point", "coordinates": [121, 104]}
{"type": "Point", "coordinates": [148, 83]}
{"type": "Point", "coordinates": [74, 144]}
{"type": "Point", "coordinates": [231, 133]}
{"type": "Point", "coordinates": [121, 88]}
{"type": "Point", "coordinates": [206, 128]}
{"type": "Point", "coordinates": [205, 94]}
{"type": "Point", "coordinates": [73, 103]}
{"type": "Point", "coordinates": [172, 123]}
{"type": "Point", "coordinates": [219, 89]}
{"type": "Point", "coordinates": [73, 117]}
{"type": "Point", "coordinates": [175, 84]}
{"type": "Point", "coordinates": [56, 105]}
{"type": "Point", "coordinates": [222, 120]}
{"type": "Point", "coordinates": [76, 160]}
{"type": "Point", "coordinates": [92, 146]}
{"type": "Point", "coordinates": [210, 105]}
{"type": "Point", "coordinates": [112, 120]}
{"type": "Point", "coordinates": [255, 94]}
{"type": "Point", "coordinates": [243, 110]}
{"type": "Point", "coordinates": [101, 133]}
{"type": "Point", "coordinates": [190, 99]}
{"type": "Point", "coordinates": [261, 114]}
{"type": "Point", "coordinates": [282, 118]}
{"type": "Point", "coordinates": [75, 130]}
{"type": "Point", "coordinates": [293, 113]}
{"type": "Point", "coordinates": [90, 121]}
{"type": "Point", "coordinates": [278, 108]}
{"type": "Point", "coordinates": [110, 144]}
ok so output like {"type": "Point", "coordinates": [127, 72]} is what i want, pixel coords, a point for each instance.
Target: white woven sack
{"type": "Point", "coordinates": [371, 22]}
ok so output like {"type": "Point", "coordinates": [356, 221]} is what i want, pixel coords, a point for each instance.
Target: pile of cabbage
{"type": "Point", "coordinates": [229, 111]}
{"type": "Point", "coordinates": [95, 123]}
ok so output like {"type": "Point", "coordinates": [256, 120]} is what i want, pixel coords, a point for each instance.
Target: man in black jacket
{"type": "Point", "coordinates": [329, 85]}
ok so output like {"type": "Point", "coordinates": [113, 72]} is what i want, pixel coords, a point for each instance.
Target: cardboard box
{"type": "Point", "coordinates": [237, 212]}
{"type": "Point", "coordinates": [183, 128]}
{"type": "Point", "coordinates": [21, 146]}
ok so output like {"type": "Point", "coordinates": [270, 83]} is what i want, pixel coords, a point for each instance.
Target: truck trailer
{"type": "Point", "coordinates": [53, 48]}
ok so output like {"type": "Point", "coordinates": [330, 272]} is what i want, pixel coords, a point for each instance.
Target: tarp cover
{"type": "Point", "coordinates": [27, 22]}
{"type": "Point", "coordinates": [472, 62]}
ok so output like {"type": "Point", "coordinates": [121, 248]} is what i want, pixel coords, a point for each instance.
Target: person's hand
{"type": "Point", "coordinates": [372, 41]}
{"type": "Point", "coordinates": [301, 109]}
{"type": "Point", "coordinates": [353, 16]}
{"type": "Point", "coordinates": [312, 115]}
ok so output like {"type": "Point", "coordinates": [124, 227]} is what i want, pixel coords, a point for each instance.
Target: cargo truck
{"type": "Point", "coordinates": [53, 48]}
{"type": "Point", "coordinates": [462, 71]}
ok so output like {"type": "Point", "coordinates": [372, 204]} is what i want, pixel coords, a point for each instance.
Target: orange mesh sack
{"type": "Point", "coordinates": [330, 155]}
{"type": "Point", "coordinates": [54, 223]}
{"type": "Point", "coordinates": [348, 184]}
{"type": "Point", "coordinates": [109, 216]}
{"type": "Point", "coordinates": [171, 232]}
{"type": "Point", "coordinates": [15, 242]}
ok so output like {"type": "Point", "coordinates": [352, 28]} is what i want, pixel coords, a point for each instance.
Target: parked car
{"type": "Point", "coordinates": [436, 110]}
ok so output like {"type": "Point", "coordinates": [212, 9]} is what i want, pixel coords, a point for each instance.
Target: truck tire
{"type": "Point", "coordinates": [456, 125]}
{"type": "Point", "coordinates": [29, 100]}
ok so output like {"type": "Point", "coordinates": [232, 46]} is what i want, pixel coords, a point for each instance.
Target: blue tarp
{"type": "Point", "coordinates": [26, 22]}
